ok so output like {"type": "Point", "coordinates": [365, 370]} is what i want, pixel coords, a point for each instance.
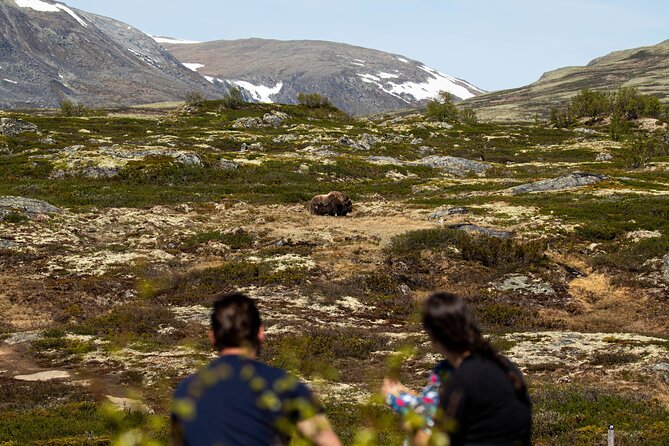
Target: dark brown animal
{"type": "Point", "coordinates": [335, 204]}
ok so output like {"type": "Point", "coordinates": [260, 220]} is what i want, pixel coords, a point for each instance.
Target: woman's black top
{"type": "Point", "coordinates": [481, 407]}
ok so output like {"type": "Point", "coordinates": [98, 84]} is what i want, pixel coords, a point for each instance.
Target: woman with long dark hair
{"type": "Point", "coordinates": [484, 401]}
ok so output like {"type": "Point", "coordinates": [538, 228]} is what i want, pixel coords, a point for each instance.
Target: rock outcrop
{"type": "Point", "coordinates": [571, 181]}
{"type": "Point", "coordinates": [13, 127]}
{"type": "Point", "coordinates": [454, 165]}
{"type": "Point", "coordinates": [27, 206]}
{"type": "Point", "coordinates": [441, 213]}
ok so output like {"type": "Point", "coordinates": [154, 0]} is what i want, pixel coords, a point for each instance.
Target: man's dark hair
{"type": "Point", "coordinates": [235, 321]}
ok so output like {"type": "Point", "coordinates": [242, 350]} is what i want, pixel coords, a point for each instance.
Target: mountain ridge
{"type": "Point", "coordinates": [646, 68]}
{"type": "Point", "coordinates": [356, 79]}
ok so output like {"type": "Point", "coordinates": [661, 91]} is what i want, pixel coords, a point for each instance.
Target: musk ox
{"type": "Point", "coordinates": [336, 204]}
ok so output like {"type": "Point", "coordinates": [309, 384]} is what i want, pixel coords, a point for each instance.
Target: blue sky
{"type": "Point", "coordinates": [494, 44]}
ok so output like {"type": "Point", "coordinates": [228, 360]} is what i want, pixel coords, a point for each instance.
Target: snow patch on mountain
{"type": "Point", "coordinates": [260, 93]}
{"type": "Point", "coordinates": [193, 66]}
{"type": "Point", "coordinates": [383, 75]}
{"type": "Point", "coordinates": [173, 40]}
{"type": "Point", "coordinates": [41, 6]}
{"type": "Point", "coordinates": [421, 91]}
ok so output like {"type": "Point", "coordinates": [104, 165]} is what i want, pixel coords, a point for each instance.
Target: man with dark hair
{"type": "Point", "coordinates": [238, 401]}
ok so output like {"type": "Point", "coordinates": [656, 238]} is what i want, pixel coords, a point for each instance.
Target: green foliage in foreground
{"type": "Point", "coordinates": [570, 415]}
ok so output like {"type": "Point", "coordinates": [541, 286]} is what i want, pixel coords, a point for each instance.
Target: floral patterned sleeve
{"type": "Point", "coordinates": [426, 402]}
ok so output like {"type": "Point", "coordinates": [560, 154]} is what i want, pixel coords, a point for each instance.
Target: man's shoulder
{"type": "Point", "coordinates": [236, 368]}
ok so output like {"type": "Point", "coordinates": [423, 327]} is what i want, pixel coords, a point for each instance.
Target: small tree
{"type": "Point", "coordinates": [194, 99]}
{"type": "Point", "coordinates": [591, 104]}
{"type": "Point", "coordinates": [313, 100]}
{"type": "Point", "coordinates": [234, 98]}
{"type": "Point", "coordinates": [468, 116]}
{"type": "Point", "coordinates": [442, 108]}
{"type": "Point", "coordinates": [72, 109]}
{"type": "Point", "coordinates": [562, 117]}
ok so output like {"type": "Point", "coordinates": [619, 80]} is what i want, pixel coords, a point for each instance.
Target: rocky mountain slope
{"type": "Point", "coordinates": [50, 52]}
{"type": "Point", "coordinates": [357, 80]}
{"type": "Point", "coordinates": [646, 68]}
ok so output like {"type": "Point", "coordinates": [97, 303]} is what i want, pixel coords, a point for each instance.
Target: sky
{"type": "Point", "coordinates": [494, 44]}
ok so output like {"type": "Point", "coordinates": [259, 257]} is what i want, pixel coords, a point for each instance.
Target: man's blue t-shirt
{"type": "Point", "coordinates": [236, 401]}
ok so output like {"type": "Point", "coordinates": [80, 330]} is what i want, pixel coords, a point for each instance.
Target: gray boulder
{"type": "Point", "coordinates": [227, 165]}
{"type": "Point", "coordinates": [364, 143]}
{"type": "Point", "coordinates": [247, 123]}
{"type": "Point", "coordinates": [454, 165]}
{"type": "Point", "coordinates": [604, 156]}
{"type": "Point", "coordinates": [188, 159]}
{"type": "Point", "coordinates": [27, 206]}
{"type": "Point", "coordinates": [99, 172]}
{"type": "Point", "coordinates": [274, 119]}
{"type": "Point", "coordinates": [571, 181]}
{"type": "Point", "coordinates": [479, 230]}
{"type": "Point", "coordinates": [384, 160]}
{"type": "Point", "coordinates": [441, 213]}
{"type": "Point", "coordinates": [12, 127]}
{"type": "Point", "coordinates": [522, 283]}
{"type": "Point", "coordinates": [665, 267]}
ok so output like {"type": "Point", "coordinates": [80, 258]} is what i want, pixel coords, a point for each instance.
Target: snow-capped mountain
{"type": "Point", "coordinates": [357, 80]}
{"type": "Point", "coordinates": [50, 52]}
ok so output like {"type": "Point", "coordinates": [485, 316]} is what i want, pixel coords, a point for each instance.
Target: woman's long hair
{"type": "Point", "coordinates": [448, 321]}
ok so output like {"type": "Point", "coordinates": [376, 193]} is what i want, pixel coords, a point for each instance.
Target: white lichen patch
{"type": "Point", "coordinates": [102, 262]}
{"type": "Point", "coordinates": [575, 350]}
{"type": "Point", "coordinates": [285, 262]}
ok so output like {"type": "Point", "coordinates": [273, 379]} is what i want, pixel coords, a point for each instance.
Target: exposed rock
{"type": "Point", "coordinates": [275, 119]}
{"type": "Point", "coordinates": [335, 204]}
{"type": "Point", "coordinates": [365, 142]}
{"type": "Point", "coordinates": [27, 205]}
{"type": "Point", "coordinates": [189, 159]}
{"type": "Point", "coordinates": [571, 181]}
{"type": "Point", "coordinates": [637, 236]}
{"type": "Point", "coordinates": [521, 283]}
{"type": "Point", "coordinates": [441, 213]}
{"type": "Point", "coordinates": [604, 156]}
{"type": "Point", "coordinates": [426, 150]}
{"type": "Point", "coordinates": [454, 165]}
{"type": "Point", "coordinates": [44, 376]}
{"type": "Point", "coordinates": [13, 127]}
{"type": "Point", "coordinates": [22, 337]}
{"type": "Point", "coordinates": [227, 165]}
{"type": "Point", "coordinates": [478, 229]}
{"type": "Point", "coordinates": [585, 131]}
{"type": "Point", "coordinates": [289, 137]}
{"type": "Point", "coordinates": [665, 267]}
{"type": "Point", "coordinates": [384, 160]}
{"type": "Point", "coordinates": [247, 123]}
{"type": "Point", "coordinates": [417, 141]}
{"type": "Point", "coordinates": [95, 172]}
{"type": "Point", "coordinates": [661, 367]}
{"type": "Point", "coordinates": [5, 243]}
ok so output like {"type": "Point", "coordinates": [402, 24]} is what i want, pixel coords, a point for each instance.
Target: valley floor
{"type": "Point", "coordinates": [105, 298]}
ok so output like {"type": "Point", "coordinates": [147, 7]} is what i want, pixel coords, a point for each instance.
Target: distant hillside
{"type": "Point", "coordinates": [50, 52]}
{"type": "Point", "coordinates": [357, 80]}
{"type": "Point", "coordinates": [646, 68]}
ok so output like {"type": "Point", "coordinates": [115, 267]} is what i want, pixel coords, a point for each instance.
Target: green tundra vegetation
{"type": "Point", "coordinates": [165, 208]}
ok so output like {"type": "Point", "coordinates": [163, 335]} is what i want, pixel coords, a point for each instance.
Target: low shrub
{"type": "Point", "coordinates": [236, 240]}
{"type": "Point", "coordinates": [568, 415]}
{"type": "Point", "coordinates": [503, 254]}
{"type": "Point", "coordinates": [313, 100]}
